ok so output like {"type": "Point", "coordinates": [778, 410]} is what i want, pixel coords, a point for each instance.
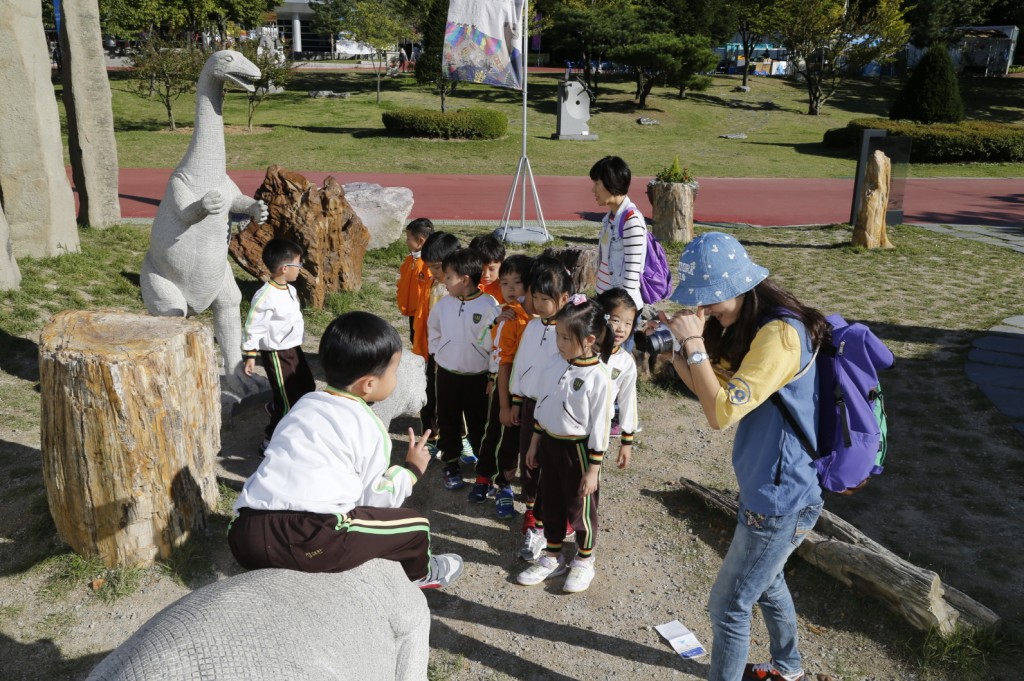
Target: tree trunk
{"type": "Point", "coordinates": [842, 551]}
{"type": "Point", "coordinates": [870, 230]}
{"type": "Point", "coordinates": [814, 95]}
{"type": "Point", "coordinates": [131, 430]}
{"type": "Point", "coordinates": [580, 262]}
{"type": "Point", "coordinates": [672, 215]}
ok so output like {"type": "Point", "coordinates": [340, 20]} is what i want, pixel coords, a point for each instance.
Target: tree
{"type": "Point", "coordinates": [588, 32]}
{"type": "Point", "coordinates": [375, 24]}
{"type": "Point", "coordinates": [830, 39]}
{"type": "Point", "coordinates": [932, 93]}
{"type": "Point", "coordinates": [696, 58]}
{"type": "Point", "coordinates": [327, 17]}
{"type": "Point", "coordinates": [167, 70]}
{"type": "Point", "coordinates": [129, 18]}
{"type": "Point", "coordinates": [932, 21]}
{"type": "Point", "coordinates": [275, 72]}
{"type": "Point", "coordinates": [661, 57]}
{"type": "Point", "coordinates": [753, 27]}
{"type": "Point", "coordinates": [429, 70]}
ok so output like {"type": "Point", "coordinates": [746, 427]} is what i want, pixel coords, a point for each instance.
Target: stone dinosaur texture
{"type": "Point", "coordinates": [10, 275]}
{"type": "Point", "coordinates": [319, 219]}
{"type": "Point", "coordinates": [36, 193]}
{"type": "Point", "coordinates": [384, 210]}
{"type": "Point", "coordinates": [367, 624]}
{"type": "Point", "coordinates": [186, 269]}
{"type": "Point", "coordinates": [91, 143]}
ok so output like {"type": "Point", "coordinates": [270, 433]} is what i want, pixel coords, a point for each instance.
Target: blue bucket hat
{"type": "Point", "coordinates": [715, 267]}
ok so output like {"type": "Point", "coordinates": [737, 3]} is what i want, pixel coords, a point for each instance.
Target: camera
{"type": "Point", "coordinates": [658, 342]}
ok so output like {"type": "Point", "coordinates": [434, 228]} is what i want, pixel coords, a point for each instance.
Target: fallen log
{"type": "Point", "coordinates": [839, 549]}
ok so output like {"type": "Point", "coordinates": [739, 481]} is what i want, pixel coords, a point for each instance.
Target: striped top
{"type": "Point", "coordinates": [622, 251]}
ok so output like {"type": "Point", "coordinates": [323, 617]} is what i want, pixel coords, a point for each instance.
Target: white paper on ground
{"type": "Point", "coordinates": [682, 640]}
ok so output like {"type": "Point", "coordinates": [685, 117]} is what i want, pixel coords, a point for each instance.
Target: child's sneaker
{"type": "Point", "coordinates": [478, 494]}
{"type": "Point", "coordinates": [435, 453]}
{"type": "Point", "coordinates": [545, 567]}
{"type": "Point", "coordinates": [533, 545]}
{"type": "Point", "coordinates": [765, 671]}
{"type": "Point", "coordinates": [467, 456]}
{"type": "Point", "coordinates": [616, 430]}
{"type": "Point", "coordinates": [262, 450]}
{"type": "Point", "coordinates": [570, 533]}
{"type": "Point", "coordinates": [581, 574]}
{"type": "Point", "coordinates": [492, 492]}
{"type": "Point", "coordinates": [452, 476]}
{"type": "Point", "coordinates": [442, 570]}
{"type": "Point", "coordinates": [529, 521]}
{"type": "Point", "coordinates": [503, 504]}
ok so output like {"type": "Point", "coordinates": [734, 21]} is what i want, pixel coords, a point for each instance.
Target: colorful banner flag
{"type": "Point", "coordinates": [483, 42]}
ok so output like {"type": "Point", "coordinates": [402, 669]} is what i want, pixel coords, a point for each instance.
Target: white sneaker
{"type": "Point", "coordinates": [545, 567]}
{"type": "Point", "coordinates": [581, 574]}
{"type": "Point", "coordinates": [533, 544]}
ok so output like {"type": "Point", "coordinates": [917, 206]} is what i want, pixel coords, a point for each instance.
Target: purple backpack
{"type": "Point", "coordinates": [852, 426]}
{"type": "Point", "coordinates": [656, 279]}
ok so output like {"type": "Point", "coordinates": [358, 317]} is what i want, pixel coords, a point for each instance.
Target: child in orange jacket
{"type": "Point", "coordinates": [494, 253]}
{"type": "Point", "coordinates": [413, 275]}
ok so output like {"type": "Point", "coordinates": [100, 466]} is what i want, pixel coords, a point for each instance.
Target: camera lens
{"type": "Point", "coordinates": [660, 341]}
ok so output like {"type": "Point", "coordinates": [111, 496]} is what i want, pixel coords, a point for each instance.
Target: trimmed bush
{"type": "Point", "coordinates": [940, 142]}
{"type": "Point", "coordinates": [472, 123]}
{"type": "Point", "coordinates": [932, 94]}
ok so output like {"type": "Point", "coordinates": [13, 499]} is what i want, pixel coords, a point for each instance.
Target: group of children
{"type": "Point", "coordinates": [524, 375]}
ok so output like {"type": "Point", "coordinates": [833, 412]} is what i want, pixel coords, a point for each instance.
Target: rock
{"type": "Point", "coordinates": [322, 94]}
{"type": "Point", "coordinates": [367, 624]}
{"type": "Point", "coordinates": [10, 275]}
{"type": "Point", "coordinates": [643, 120]}
{"type": "Point", "coordinates": [384, 210]}
{"type": "Point", "coordinates": [37, 197]}
{"type": "Point", "coordinates": [741, 88]}
{"type": "Point", "coordinates": [91, 143]}
{"type": "Point", "coordinates": [870, 231]}
{"type": "Point", "coordinates": [734, 136]}
{"type": "Point", "coordinates": [321, 220]}
{"type": "Point", "coordinates": [410, 394]}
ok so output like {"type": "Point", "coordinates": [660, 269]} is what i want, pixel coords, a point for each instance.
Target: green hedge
{"type": "Point", "coordinates": [472, 123]}
{"type": "Point", "coordinates": [940, 142]}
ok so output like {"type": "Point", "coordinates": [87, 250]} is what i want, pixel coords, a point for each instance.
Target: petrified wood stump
{"type": "Point", "coordinates": [870, 231]}
{"type": "Point", "coordinates": [671, 211]}
{"type": "Point", "coordinates": [320, 220]}
{"type": "Point", "coordinates": [581, 263]}
{"type": "Point", "coordinates": [130, 431]}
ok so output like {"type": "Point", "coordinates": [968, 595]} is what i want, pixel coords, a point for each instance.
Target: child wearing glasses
{"type": "Point", "coordinates": [273, 331]}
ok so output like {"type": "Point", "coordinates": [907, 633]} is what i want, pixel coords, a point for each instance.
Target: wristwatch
{"type": "Point", "coordinates": [696, 358]}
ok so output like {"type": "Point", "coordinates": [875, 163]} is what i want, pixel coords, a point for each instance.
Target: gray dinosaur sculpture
{"type": "Point", "coordinates": [186, 269]}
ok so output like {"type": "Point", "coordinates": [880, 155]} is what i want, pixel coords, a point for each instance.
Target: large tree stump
{"type": "Point", "coordinates": [321, 220]}
{"type": "Point", "coordinates": [842, 551]}
{"type": "Point", "coordinates": [581, 263]}
{"type": "Point", "coordinates": [870, 231]}
{"type": "Point", "coordinates": [672, 211]}
{"type": "Point", "coordinates": [130, 431]}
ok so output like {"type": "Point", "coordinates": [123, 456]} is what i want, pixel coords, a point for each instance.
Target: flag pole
{"type": "Point", "coordinates": [524, 173]}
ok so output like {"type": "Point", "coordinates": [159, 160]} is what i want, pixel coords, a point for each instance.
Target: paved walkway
{"type": "Point", "coordinates": [759, 201]}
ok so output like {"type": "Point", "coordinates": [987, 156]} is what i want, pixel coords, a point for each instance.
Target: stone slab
{"type": "Point", "coordinates": [1008, 343]}
{"type": "Point", "coordinates": [1017, 321]}
{"type": "Point", "coordinates": [1006, 400]}
{"type": "Point", "coordinates": [1008, 330]}
{"type": "Point", "coordinates": [1000, 377]}
{"type": "Point", "coordinates": [989, 357]}
{"type": "Point", "coordinates": [10, 275]}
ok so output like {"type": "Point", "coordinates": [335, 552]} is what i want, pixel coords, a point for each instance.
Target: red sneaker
{"type": "Point", "coordinates": [764, 671]}
{"type": "Point", "coordinates": [570, 533]}
{"type": "Point", "coordinates": [529, 522]}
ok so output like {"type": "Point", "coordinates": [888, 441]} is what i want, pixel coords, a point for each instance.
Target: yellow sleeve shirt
{"type": "Point", "coordinates": [772, 362]}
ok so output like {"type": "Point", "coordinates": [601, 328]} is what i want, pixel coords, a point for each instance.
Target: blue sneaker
{"type": "Point", "coordinates": [492, 492]}
{"type": "Point", "coordinates": [452, 477]}
{"type": "Point", "coordinates": [467, 456]}
{"type": "Point", "coordinates": [503, 505]}
{"type": "Point", "coordinates": [478, 494]}
{"type": "Point", "coordinates": [435, 453]}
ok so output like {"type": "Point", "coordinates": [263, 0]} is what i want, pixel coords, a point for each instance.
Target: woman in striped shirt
{"type": "Point", "coordinates": [622, 243]}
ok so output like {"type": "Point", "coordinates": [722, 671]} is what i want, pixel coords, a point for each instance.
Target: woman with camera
{"type": "Point", "coordinates": [743, 340]}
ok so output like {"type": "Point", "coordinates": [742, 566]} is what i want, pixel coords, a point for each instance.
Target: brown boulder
{"type": "Point", "coordinates": [320, 220]}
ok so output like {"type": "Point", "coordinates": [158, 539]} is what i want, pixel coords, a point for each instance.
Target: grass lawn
{"type": "Point", "coordinates": [347, 134]}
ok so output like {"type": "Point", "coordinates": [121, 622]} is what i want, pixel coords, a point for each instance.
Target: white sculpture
{"type": "Point", "coordinates": [186, 269]}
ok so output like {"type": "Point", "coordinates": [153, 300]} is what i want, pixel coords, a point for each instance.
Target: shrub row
{"type": "Point", "coordinates": [472, 123]}
{"type": "Point", "coordinates": [940, 142]}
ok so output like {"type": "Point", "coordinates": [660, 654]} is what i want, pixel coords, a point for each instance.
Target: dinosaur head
{"type": "Point", "coordinates": [229, 66]}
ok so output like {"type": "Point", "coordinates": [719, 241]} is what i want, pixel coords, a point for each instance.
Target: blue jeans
{"type": "Point", "coordinates": [752, 573]}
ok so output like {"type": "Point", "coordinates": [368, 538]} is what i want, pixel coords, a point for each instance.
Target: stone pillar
{"type": "Point", "coordinates": [36, 193]}
{"type": "Point", "coordinates": [10, 275]}
{"type": "Point", "coordinates": [672, 211]}
{"type": "Point", "coordinates": [91, 141]}
{"type": "Point", "coordinates": [296, 35]}
{"type": "Point", "coordinates": [870, 230]}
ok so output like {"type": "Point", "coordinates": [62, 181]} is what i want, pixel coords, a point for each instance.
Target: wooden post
{"type": "Point", "coordinates": [672, 211]}
{"type": "Point", "coordinates": [841, 550]}
{"type": "Point", "coordinates": [870, 231]}
{"type": "Point", "coordinates": [130, 431]}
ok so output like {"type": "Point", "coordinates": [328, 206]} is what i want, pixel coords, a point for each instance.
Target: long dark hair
{"type": "Point", "coordinates": [762, 303]}
{"type": "Point", "coordinates": [588, 319]}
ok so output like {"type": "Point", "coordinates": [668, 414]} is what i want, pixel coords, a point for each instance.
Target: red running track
{"type": "Point", "coordinates": [759, 201]}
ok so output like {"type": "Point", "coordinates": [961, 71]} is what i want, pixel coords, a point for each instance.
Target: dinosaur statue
{"type": "Point", "coordinates": [186, 269]}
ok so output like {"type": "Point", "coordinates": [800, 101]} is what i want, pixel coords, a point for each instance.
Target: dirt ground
{"type": "Point", "coordinates": [658, 553]}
